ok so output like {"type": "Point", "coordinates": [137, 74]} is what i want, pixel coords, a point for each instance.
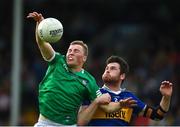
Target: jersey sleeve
{"type": "Point", "coordinates": [55, 58]}
{"type": "Point", "coordinates": [49, 60]}
{"type": "Point", "coordinates": [140, 105]}
{"type": "Point", "coordinates": [93, 91]}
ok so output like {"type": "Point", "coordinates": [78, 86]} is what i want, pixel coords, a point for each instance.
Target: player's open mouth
{"type": "Point", "coordinates": [70, 58]}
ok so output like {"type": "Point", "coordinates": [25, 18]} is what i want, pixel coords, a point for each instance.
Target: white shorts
{"type": "Point", "coordinates": [47, 122]}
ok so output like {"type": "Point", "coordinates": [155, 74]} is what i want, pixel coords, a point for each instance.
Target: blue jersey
{"type": "Point", "coordinates": [121, 117]}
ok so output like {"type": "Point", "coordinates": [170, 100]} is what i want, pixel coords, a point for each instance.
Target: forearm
{"type": "Point", "coordinates": [111, 107]}
{"type": "Point", "coordinates": [85, 115]}
{"type": "Point", "coordinates": [45, 48]}
{"type": "Point", "coordinates": [165, 103]}
{"type": "Point", "coordinates": [115, 106]}
{"type": "Point", "coordinates": [159, 112]}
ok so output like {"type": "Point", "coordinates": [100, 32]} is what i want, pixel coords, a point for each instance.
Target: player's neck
{"type": "Point", "coordinates": [114, 86]}
{"type": "Point", "coordinates": [76, 69]}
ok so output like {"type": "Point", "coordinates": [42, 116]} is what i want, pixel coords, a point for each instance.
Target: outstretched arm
{"type": "Point", "coordinates": [166, 91]}
{"type": "Point", "coordinates": [45, 48]}
{"type": "Point", "coordinates": [159, 112]}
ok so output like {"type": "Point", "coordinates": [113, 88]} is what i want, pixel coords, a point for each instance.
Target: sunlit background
{"type": "Point", "coordinates": [144, 32]}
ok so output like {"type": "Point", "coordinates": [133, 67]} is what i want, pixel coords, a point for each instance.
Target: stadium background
{"type": "Point", "coordinates": [145, 32]}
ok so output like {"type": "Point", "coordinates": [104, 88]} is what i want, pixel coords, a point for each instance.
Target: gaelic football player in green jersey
{"type": "Point", "coordinates": [66, 84]}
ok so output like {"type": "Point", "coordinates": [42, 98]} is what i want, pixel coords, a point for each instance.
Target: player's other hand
{"type": "Point", "coordinates": [36, 16]}
{"type": "Point", "coordinates": [166, 88]}
{"type": "Point", "coordinates": [103, 99]}
{"type": "Point", "coordinates": [128, 102]}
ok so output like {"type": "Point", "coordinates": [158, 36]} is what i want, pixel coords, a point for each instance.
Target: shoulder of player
{"type": "Point", "coordinates": [58, 56]}
{"type": "Point", "coordinates": [129, 93]}
{"type": "Point", "coordinates": [123, 91]}
{"type": "Point", "coordinates": [90, 76]}
{"type": "Point", "coordinates": [61, 58]}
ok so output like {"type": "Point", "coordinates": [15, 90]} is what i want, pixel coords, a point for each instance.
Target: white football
{"type": "Point", "coordinates": [50, 30]}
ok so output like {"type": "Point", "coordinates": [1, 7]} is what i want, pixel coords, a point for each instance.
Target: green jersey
{"type": "Point", "coordinates": [62, 91]}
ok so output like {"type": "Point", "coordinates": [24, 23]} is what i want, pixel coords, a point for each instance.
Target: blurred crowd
{"type": "Point", "coordinates": [145, 33]}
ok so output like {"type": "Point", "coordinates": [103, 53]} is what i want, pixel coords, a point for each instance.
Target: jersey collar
{"type": "Point", "coordinates": [115, 92]}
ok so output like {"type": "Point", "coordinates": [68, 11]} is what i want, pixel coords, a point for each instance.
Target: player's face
{"type": "Point", "coordinates": [111, 73]}
{"type": "Point", "coordinates": [75, 56]}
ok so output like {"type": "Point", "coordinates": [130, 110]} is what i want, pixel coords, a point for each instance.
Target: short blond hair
{"type": "Point", "coordinates": [81, 43]}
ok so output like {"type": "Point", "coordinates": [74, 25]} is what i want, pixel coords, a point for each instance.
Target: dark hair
{"type": "Point", "coordinates": [122, 63]}
{"type": "Point", "coordinates": [81, 43]}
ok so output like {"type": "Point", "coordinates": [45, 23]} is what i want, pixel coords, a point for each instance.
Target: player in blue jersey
{"type": "Point", "coordinates": [113, 77]}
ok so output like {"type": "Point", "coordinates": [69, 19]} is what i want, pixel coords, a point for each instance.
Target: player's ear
{"type": "Point", "coordinates": [84, 58]}
{"type": "Point", "coordinates": [123, 76]}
